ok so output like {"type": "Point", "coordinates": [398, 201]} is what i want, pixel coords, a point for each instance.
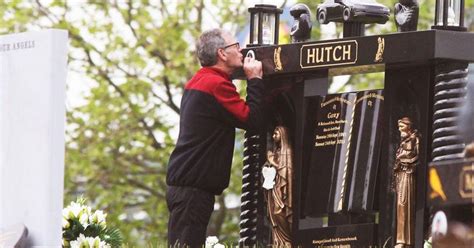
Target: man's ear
{"type": "Point", "coordinates": [221, 55]}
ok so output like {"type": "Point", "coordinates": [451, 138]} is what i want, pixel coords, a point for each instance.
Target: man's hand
{"type": "Point", "coordinates": [252, 68]}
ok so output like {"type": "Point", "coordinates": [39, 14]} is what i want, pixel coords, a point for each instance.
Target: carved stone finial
{"type": "Point", "coordinates": [406, 15]}
{"type": "Point", "coordinates": [301, 30]}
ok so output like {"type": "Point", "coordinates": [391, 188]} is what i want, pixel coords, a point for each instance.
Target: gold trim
{"type": "Point", "coordinates": [371, 95]}
{"type": "Point", "coordinates": [346, 162]}
{"type": "Point", "coordinates": [334, 241]}
{"type": "Point", "coordinates": [436, 185]}
{"type": "Point", "coordinates": [277, 60]}
{"type": "Point", "coordinates": [336, 99]}
{"type": "Point", "coordinates": [462, 185]}
{"type": "Point", "coordinates": [380, 50]}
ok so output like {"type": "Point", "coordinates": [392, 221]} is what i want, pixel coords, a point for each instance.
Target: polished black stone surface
{"type": "Point", "coordinates": [365, 150]}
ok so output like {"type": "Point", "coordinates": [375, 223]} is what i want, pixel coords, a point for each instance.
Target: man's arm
{"type": "Point", "coordinates": [254, 73]}
{"type": "Point", "coordinates": [247, 114]}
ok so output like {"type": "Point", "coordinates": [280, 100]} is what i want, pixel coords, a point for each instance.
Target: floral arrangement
{"type": "Point", "coordinates": [213, 242]}
{"type": "Point", "coordinates": [84, 228]}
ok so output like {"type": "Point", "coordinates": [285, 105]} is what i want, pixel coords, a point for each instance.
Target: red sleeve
{"type": "Point", "coordinates": [227, 95]}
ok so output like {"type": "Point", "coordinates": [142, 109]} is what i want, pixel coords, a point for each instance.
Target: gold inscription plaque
{"type": "Point", "coordinates": [466, 182]}
{"type": "Point", "coordinates": [331, 126]}
{"type": "Point", "coordinates": [334, 242]}
{"type": "Point", "coordinates": [327, 54]}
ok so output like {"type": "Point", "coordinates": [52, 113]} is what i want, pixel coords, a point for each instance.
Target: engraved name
{"type": "Point", "coordinates": [20, 45]}
{"type": "Point", "coordinates": [334, 240]}
{"type": "Point", "coordinates": [326, 54]}
{"type": "Point", "coordinates": [331, 134]}
{"type": "Point", "coordinates": [333, 115]}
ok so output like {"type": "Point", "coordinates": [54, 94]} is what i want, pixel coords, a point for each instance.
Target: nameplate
{"type": "Point", "coordinates": [329, 54]}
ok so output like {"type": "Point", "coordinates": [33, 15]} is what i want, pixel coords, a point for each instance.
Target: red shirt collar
{"type": "Point", "coordinates": [214, 70]}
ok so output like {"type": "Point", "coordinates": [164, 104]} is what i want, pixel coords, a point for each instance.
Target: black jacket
{"type": "Point", "coordinates": [211, 108]}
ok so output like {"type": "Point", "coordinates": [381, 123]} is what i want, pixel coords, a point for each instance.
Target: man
{"type": "Point", "coordinates": [211, 108]}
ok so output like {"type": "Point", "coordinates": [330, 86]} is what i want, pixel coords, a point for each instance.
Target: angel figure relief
{"type": "Point", "coordinates": [279, 197]}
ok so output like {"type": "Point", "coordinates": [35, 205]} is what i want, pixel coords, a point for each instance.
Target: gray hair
{"type": "Point", "coordinates": [207, 45]}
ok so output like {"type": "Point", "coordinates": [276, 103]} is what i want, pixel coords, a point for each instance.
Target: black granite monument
{"type": "Point", "coordinates": [345, 145]}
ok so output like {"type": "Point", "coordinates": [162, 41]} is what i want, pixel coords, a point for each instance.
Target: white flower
{"type": "Point", "coordinates": [87, 210]}
{"type": "Point", "coordinates": [219, 245]}
{"type": "Point", "coordinates": [98, 217]}
{"type": "Point", "coordinates": [75, 210]}
{"type": "Point", "coordinates": [92, 242]}
{"type": "Point", "coordinates": [66, 213]}
{"type": "Point", "coordinates": [65, 243]}
{"type": "Point", "coordinates": [65, 223]}
{"type": "Point", "coordinates": [84, 220]}
{"type": "Point", "coordinates": [83, 215]}
{"type": "Point", "coordinates": [211, 241]}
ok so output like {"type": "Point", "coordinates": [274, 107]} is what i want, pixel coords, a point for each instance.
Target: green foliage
{"type": "Point", "coordinates": [111, 236]}
{"type": "Point", "coordinates": [73, 232]}
{"type": "Point", "coordinates": [132, 58]}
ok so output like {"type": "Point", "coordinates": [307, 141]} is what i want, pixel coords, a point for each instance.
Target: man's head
{"type": "Point", "coordinates": [220, 49]}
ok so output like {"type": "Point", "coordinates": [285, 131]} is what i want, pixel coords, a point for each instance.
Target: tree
{"type": "Point", "coordinates": [136, 57]}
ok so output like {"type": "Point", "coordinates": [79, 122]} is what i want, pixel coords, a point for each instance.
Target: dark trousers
{"type": "Point", "coordinates": [190, 210]}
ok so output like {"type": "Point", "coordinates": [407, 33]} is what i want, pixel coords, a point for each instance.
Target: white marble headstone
{"type": "Point", "coordinates": [33, 70]}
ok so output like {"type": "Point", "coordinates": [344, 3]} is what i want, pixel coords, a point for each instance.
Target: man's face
{"type": "Point", "coordinates": [233, 54]}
